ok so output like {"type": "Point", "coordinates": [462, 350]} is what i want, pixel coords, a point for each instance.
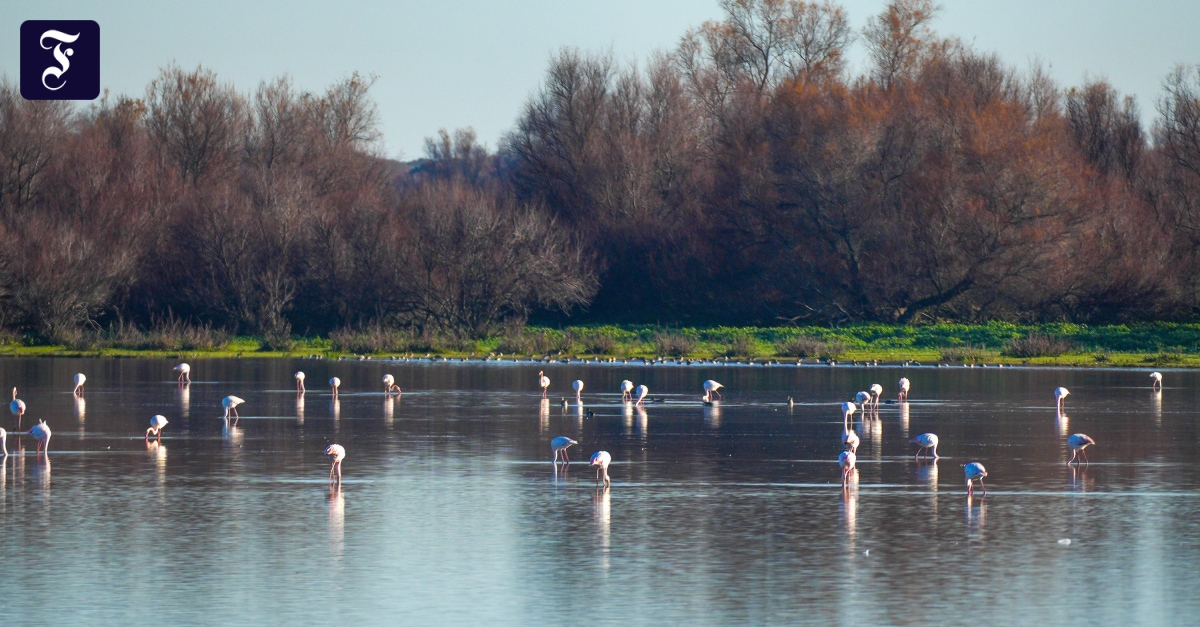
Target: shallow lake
{"type": "Point", "coordinates": [450, 511]}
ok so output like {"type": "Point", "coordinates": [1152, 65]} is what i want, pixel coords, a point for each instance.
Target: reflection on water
{"type": "Point", "coordinates": [1063, 422]}
{"type": "Point", "coordinates": [725, 514]}
{"type": "Point", "coordinates": [80, 408]}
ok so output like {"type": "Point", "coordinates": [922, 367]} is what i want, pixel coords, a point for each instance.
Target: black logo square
{"type": "Point", "coordinates": [60, 60]}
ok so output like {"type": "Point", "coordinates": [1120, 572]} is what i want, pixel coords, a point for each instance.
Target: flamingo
{"type": "Point", "coordinates": [389, 384]}
{"type": "Point", "coordinates": [641, 391]}
{"type": "Point", "coordinates": [4, 441]}
{"type": "Point", "coordinates": [185, 373]}
{"type": "Point", "coordinates": [1060, 397]}
{"type": "Point", "coordinates": [17, 407]}
{"type": "Point", "coordinates": [849, 437]}
{"type": "Point", "coordinates": [338, 453]}
{"type": "Point", "coordinates": [335, 383]}
{"type": "Point", "coordinates": [626, 389]}
{"type": "Point", "coordinates": [863, 399]}
{"type": "Point", "coordinates": [577, 384]}
{"type": "Point", "coordinates": [904, 385]}
{"type": "Point", "coordinates": [79, 380]}
{"type": "Point", "coordinates": [41, 432]}
{"type": "Point", "coordinates": [601, 460]}
{"type": "Point", "coordinates": [156, 426]}
{"type": "Point", "coordinates": [543, 381]}
{"type": "Point", "coordinates": [560, 445]}
{"type": "Point", "coordinates": [1157, 376]}
{"type": "Point", "coordinates": [975, 471]}
{"type": "Point", "coordinates": [230, 404]}
{"type": "Point", "coordinates": [712, 387]}
{"type": "Point", "coordinates": [846, 460]}
{"type": "Point", "coordinates": [925, 441]}
{"type": "Point", "coordinates": [299, 381]}
{"type": "Point", "coordinates": [1078, 443]}
{"type": "Point", "coordinates": [876, 392]}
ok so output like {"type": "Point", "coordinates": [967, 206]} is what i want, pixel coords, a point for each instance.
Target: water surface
{"type": "Point", "coordinates": [450, 512]}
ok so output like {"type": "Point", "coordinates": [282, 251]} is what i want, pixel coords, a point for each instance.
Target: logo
{"type": "Point", "coordinates": [60, 60]}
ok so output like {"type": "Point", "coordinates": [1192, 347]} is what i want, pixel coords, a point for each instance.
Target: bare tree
{"type": "Point", "coordinates": [896, 38]}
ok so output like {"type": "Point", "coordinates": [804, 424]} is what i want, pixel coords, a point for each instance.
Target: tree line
{"type": "Point", "coordinates": [748, 176]}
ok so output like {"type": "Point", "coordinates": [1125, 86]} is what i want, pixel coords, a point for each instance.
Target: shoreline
{"type": "Point", "coordinates": [1151, 345]}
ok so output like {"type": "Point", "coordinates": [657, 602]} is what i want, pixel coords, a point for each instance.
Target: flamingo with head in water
{"type": "Point", "coordinates": [337, 453]}
{"type": "Point", "coordinates": [577, 385]}
{"type": "Point", "coordinates": [904, 385]}
{"type": "Point", "coordinates": [560, 445]}
{"type": "Point", "coordinates": [299, 381]}
{"type": "Point", "coordinates": [876, 391]}
{"type": "Point", "coordinates": [1060, 397]}
{"type": "Point", "coordinates": [601, 460]}
{"type": "Point", "coordinates": [79, 381]}
{"type": "Point", "coordinates": [335, 383]}
{"type": "Point", "coordinates": [640, 393]}
{"type": "Point", "coordinates": [712, 387]}
{"type": "Point", "coordinates": [230, 404]}
{"type": "Point", "coordinates": [41, 433]}
{"type": "Point", "coordinates": [847, 459]}
{"type": "Point", "coordinates": [975, 471]}
{"type": "Point", "coordinates": [925, 441]}
{"type": "Point", "coordinates": [185, 373]}
{"type": "Point", "coordinates": [156, 426]}
{"type": "Point", "coordinates": [544, 382]}
{"type": "Point", "coordinates": [626, 390]}
{"type": "Point", "coordinates": [1157, 376]}
{"type": "Point", "coordinates": [389, 385]}
{"type": "Point", "coordinates": [850, 439]}
{"type": "Point", "coordinates": [1078, 442]}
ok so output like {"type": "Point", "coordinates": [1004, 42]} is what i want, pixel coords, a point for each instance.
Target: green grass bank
{"type": "Point", "coordinates": [1158, 344]}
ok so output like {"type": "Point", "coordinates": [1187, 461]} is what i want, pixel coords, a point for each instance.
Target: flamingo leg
{"type": "Point", "coordinates": [718, 393]}
{"type": "Point", "coordinates": [1073, 451]}
{"type": "Point", "coordinates": [983, 486]}
{"type": "Point", "coordinates": [1083, 451]}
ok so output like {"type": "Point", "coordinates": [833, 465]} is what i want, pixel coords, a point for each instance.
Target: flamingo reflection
{"type": "Point", "coordinates": [712, 415]}
{"type": "Point", "coordinates": [904, 416]}
{"type": "Point", "coordinates": [544, 416]}
{"type": "Point", "coordinates": [300, 409]}
{"type": "Point", "coordinates": [1062, 422]}
{"type": "Point", "coordinates": [80, 408]}
{"type": "Point", "coordinates": [389, 409]}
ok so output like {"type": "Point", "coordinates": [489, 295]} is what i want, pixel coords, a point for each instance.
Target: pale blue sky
{"type": "Point", "coordinates": [474, 63]}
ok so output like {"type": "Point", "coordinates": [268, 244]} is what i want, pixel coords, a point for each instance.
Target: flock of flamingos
{"type": "Point", "coordinates": [927, 443]}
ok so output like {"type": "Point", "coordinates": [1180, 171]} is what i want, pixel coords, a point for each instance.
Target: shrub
{"type": "Point", "coordinates": [742, 346]}
{"type": "Point", "coordinates": [597, 343]}
{"type": "Point", "coordinates": [967, 354]}
{"type": "Point", "coordinates": [673, 344]}
{"type": "Point", "coordinates": [536, 342]}
{"type": "Point", "coordinates": [807, 346]}
{"type": "Point", "coordinates": [1038, 346]}
{"type": "Point", "coordinates": [378, 339]}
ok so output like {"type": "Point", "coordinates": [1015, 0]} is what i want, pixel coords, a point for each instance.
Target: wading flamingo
{"type": "Point", "coordinates": [80, 379]}
{"type": "Point", "coordinates": [41, 433]}
{"type": "Point", "coordinates": [849, 437]}
{"type": "Point", "coordinates": [641, 392]}
{"type": "Point", "coordinates": [846, 460]}
{"type": "Point", "coordinates": [230, 404]}
{"type": "Point", "coordinates": [1157, 376]}
{"type": "Point", "coordinates": [601, 460]}
{"type": "Point", "coordinates": [975, 471]}
{"type": "Point", "coordinates": [337, 453]}
{"type": "Point", "coordinates": [577, 384]}
{"type": "Point", "coordinates": [560, 445]}
{"type": "Point", "coordinates": [156, 426]}
{"type": "Point", "coordinates": [335, 383]}
{"type": "Point", "coordinates": [925, 441]}
{"type": "Point", "coordinates": [863, 399]}
{"type": "Point", "coordinates": [185, 373]}
{"type": "Point", "coordinates": [4, 442]}
{"type": "Point", "coordinates": [904, 385]}
{"type": "Point", "coordinates": [1060, 397]}
{"type": "Point", "coordinates": [299, 381]}
{"type": "Point", "coordinates": [17, 407]}
{"type": "Point", "coordinates": [1078, 443]}
{"type": "Point", "coordinates": [626, 390]}
{"type": "Point", "coordinates": [712, 387]}
{"type": "Point", "coordinates": [876, 392]}
{"type": "Point", "coordinates": [389, 384]}
{"type": "Point", "coordinates": [543, 381]}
